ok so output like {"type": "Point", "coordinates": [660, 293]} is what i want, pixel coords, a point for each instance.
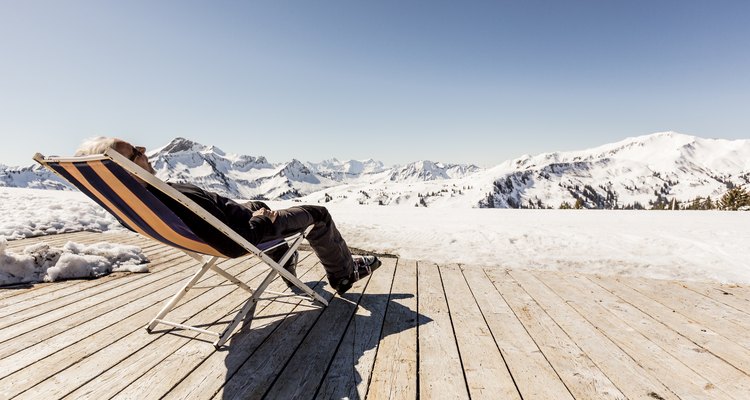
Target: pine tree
{"type": "Point", "coordinates": [565, 206]}
{"type": "Point", "coordinates": [735, 199]}
{"type": "Point", "coordinates": [579, 204]}
{"type": "Point", "coordinates": [697, 204]}
{"type": "Point", "coordinates": [709, 204]}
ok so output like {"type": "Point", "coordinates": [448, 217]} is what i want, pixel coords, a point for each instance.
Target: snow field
{"type": "Point", "coordinates": [684, 245]}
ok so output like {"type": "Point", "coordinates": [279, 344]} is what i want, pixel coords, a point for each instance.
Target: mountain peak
{"type": "Point", "coordinates": [666, 136]}
{"type": "Point", "coordinates": [180, 144]}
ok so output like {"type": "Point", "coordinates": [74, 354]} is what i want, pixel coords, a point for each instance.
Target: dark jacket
{"type": "Point", "coordinates": [236, 216]}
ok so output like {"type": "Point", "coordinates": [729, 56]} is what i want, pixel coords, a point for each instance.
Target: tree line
{"type": "Point", "coordinates": [736, 198]}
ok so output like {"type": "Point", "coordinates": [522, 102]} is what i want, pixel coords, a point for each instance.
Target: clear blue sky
{"type": "Point", "coordinates": [398, 81]}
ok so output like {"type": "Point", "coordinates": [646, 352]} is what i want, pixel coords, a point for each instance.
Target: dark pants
{"type": "Point", "coordinates": [324, 238]}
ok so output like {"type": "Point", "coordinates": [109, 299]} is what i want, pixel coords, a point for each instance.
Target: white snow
{"type": "Point", "coordinates": [43, 263]}
{"type": "Point", "coordinates": [683, 245]}
{"type": "Point", "coordinates": [32, 212]}
{"type": "Point", "coordinates": [686, 245]}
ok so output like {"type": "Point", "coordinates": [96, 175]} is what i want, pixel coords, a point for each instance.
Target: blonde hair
{"type": "Point", "coordinates": [96, 145]}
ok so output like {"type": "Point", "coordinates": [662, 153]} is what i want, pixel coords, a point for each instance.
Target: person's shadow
{"type": "Point", "coordinates": [316, 352]}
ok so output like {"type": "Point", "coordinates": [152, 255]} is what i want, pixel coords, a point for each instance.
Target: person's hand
{"type": "Point", "coordinates": [266, 213]}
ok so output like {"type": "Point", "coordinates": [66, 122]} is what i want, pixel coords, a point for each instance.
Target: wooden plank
{"type": "Point", "coordinates": [720, 293]}
{"type": "Point", "coordinates": [45, 292]}
{"type": "Point", "coordinates": [74, 363]}
{"type": "Point", "coordinates": [25, 288]}
{"type": "Point", "coordinates": [56, 290]}
{"type": "Point", "coordinates": [725, 320]}
{"type": "Point", "coordinates": [122, 337]}
{"type": "Point", "coordinates": [153, 251]}
{"type": "Point", "coordinates": [29, 308]}
{"type": "Point", "coordinates": [527, 364]}
{"type": "Point", "coordinates": [737, 290]}
{"type": "Point", "coordinates": [58, 320]}
{"type": "Point", "coordinates": [441, 374]}
{"type": "Point", "coordinates": [306, 369]}
{"type": "Point", "coordinates": [719, 345]}
{"type": "Point", "coordinates": [349, 373]}
{"type": "Point", "coordinates": [394, 374]}
{"type": "Point", "coordinates": [73, 330]}
{"type": "Point", "coordinates": [179, 357]}
{"type": "Point", "coordinates": [661, 351]}
{"type": "Point", "coordinates": [581, 375]}
{"type": "Point", "coordinates": [92, 377]}
{"type": "Point", "coordinates": [254, 375]}
{"type": "Point", "coordinates": [701, 360]}
{"type": "Point", "coordinates": [56, 239]}
{"type": "Point", "coordinates": [278, 319]}
{"type": "Point", "coordinates": [486, 373]}
{"type": "Point", "coordinates": [741, 291]}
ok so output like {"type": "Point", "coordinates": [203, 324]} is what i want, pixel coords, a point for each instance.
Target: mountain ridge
{"type": "Point", "coordinates": [635, 171]}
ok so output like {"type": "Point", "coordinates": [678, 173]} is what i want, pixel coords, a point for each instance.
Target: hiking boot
{"type": "Point", "coordinates": [291, 267]}
{"type": "Point", "coordinates": [363, 266]}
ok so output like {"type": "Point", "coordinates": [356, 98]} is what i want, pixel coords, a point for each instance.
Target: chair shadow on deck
{"type": "Point", "coordinates": [315, 352]}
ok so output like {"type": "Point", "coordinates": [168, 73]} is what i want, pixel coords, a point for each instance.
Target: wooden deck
{"type": "Point", "coordinates": [412, 330]}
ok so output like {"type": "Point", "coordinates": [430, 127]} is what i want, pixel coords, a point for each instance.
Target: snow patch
{"type": "Point", "coordinates": [31, 212]}
{"type": "Point", "coordinates": [43, 263]}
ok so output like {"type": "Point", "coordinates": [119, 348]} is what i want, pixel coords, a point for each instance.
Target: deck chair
{"type": "Point", "coordinates": [106, 178]}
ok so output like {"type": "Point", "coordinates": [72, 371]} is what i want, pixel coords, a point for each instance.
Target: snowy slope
{"type": "Point", "coordinates": [34, 177]}
{"type": "Point", "coordinates": [665, 165]}
{"type": "Point", "coordinates": [638, 171]}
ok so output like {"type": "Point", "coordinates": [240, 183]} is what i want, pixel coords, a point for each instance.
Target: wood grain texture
{"type": "Point", "coordinates": [486, 373]}
{"type": "Point", "coordinates": [441, 373]}
{"type": "Point", "coordinates": [349, 373]}
{"type": "Point", "coordinates": [583, 378]}
{"type": "Point", "coordinates": [527, 364]}
{"type": "Point", "coordinates": [412, 330]}
{"type": "Point", "coordinates": [395, 373]}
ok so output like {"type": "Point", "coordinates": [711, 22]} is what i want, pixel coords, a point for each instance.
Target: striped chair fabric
{"type": "Point", "coordinates": [131, 203]}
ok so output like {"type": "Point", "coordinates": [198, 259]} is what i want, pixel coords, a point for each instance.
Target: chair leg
{"type": "Point", "coordinates": [302, 286]}
{"type": "Point", "coordinates": [232, 278]}
{"type": "Point", "coordinates": [181, 293]}
{"type": "Point", "coordinates": [278, 267]}
{"type": "Point", "coordinates": [247, 308]}
{"type": "Point", "coordinates": [250, 305]}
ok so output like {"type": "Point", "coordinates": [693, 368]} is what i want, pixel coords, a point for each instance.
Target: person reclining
{"type": "Point", "coordinates": [254, 221]}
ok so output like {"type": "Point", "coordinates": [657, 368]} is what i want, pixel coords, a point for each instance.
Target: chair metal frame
{"type": "Point", "coordinates": [207, 261]}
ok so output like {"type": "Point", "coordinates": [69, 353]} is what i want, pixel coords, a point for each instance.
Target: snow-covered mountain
{"type": "Point", "coordinates": [660, 167]}
{"type": "Point", "coordinates": [429, 171]}
{"type": "Point", "coordinates": [344, 171]}
{"type": "Point", "coordinates": [231, 175]}
{"type": "Point", "coordinates": [634, 172]}
{"type": "Point", "coordinates": [249, 177]}
{"type": "Point", "coordinates": [34, 177]}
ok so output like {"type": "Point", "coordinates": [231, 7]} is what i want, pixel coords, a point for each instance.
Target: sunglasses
{"type": "Point", "coordinates": [137, 152]}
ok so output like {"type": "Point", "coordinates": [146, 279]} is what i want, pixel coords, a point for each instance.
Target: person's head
{"type": "Point", "coordinates": [97, 145]}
